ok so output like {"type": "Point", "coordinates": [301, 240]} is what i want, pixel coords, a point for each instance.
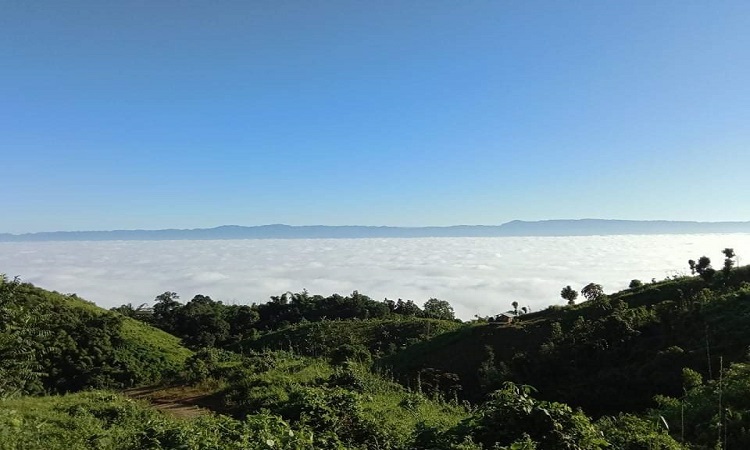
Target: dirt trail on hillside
{"type": "Point", "coordinates": [178, 401]}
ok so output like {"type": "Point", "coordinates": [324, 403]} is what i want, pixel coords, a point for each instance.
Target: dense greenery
{"type": "Point", "coordinates": [346, 405]}
{"type": "Point", "coordinates": [611, 354]}
{"type": "Point", "coordinates": [105, 420]}
{"type": "Point", "coordinates": [659, 366]}
{"type": "Point", "coordinates": [204, 322]}
{"type": "Point", "coordinates": [19, 330]}
{"type": "Point", "coordinates": [52, 343]}
{"type": "Point", "coordinates": [379, 337]}
{"type": "Point", "coordinates": [713, 413]}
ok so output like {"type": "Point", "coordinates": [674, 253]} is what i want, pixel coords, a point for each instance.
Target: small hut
{"type": "Point", "coordinates": [504, 318]}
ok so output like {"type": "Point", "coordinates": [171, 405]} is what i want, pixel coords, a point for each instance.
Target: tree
{"type": "Point", "coordinates": [635, 284]}
{"type": "Point", "coordinates": [438, 309]}
{"type": "Point", "coordinates": [729, 261]}
{"type": "Point", "coordinates": [691, 263]}
{"type": "Point", "coordinates": [569, 294]}
{"type": "Point", "coordinates": [704, 269]}
{"type": "Point", "coordinates": [704, 262]}
{"type": "Point", "coordinates": [515, 307]}
{"type": "Point", "coordinates": [201, 322]}
{"type": "Point", "coordinates": [164, 311]}
{"type": "Point", "coordinates": [407, 308]}
{"type": "Point", "coordinates": [242, 320]}
{"type": "Point", "coordinates": [592, 291]}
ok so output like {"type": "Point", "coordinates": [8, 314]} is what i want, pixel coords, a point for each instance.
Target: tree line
{"type": "Point", "coordinates": [204, 322]}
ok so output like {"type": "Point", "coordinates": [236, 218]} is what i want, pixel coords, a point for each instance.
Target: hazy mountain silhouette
{"type": "Point", "coordinates": [583, 227]}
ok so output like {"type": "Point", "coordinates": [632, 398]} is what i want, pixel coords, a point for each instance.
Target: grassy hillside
{"type": "Point", "coordinates": [76, 345]}
{"type": "Point", "coordinates": [346, 401]}
{"type": "Point", "coordinates": [609, 355]}
{"type": "Point", "coordinates": [378, 336]}
{"type": "Point", "coordinates": [104, 420]}
{"type": "Point", "coordinates": [346, 406]}
{"type": "Point", "coordinates": [134, 332]}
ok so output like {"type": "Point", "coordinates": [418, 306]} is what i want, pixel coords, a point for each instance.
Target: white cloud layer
{"type": "Point", "coordinates": [477, 275]}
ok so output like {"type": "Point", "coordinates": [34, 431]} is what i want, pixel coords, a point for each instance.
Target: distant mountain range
{"type": "Point", "coordinates": [583, 227]}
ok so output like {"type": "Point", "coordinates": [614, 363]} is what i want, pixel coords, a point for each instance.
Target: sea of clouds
{"type": "Point", "coordinates": [477, 275]}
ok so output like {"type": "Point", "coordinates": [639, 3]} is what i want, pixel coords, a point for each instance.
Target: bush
{"type": "Point", "coordinates": [634, 284]}
{"type": "Point", "coordinates": [629, 432]}
{"type": "Point", "coordinates": [354, 353]}
{"type": "Point", "coordinates": [511, 417]}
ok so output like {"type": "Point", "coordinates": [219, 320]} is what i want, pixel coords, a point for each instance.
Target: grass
{"type": "Point", "coordinates": [108, 421]}
{"type": "Point", "coordinates": [284, 383]}
{"type": "Point", "coordinates": [76, 421]}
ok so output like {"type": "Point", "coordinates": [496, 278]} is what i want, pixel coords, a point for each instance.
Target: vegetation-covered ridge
{"type": "Point", "coordinates": [612, 353]}
{"type": "Point", "coordinates": [54, 343]}
{"type": "Point", "coordinates": [204, 322]}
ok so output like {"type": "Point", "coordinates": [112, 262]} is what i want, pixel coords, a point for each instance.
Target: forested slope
{"type": "Point", "coordinates": [610, 354]}
{"type": "Point", "coordinates": [62, 343]}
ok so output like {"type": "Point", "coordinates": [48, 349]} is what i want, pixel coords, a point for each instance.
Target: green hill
{"type": "Point", "coordinates": [608, 355]}
{"type": "Point", "coordinates": [72, 344]}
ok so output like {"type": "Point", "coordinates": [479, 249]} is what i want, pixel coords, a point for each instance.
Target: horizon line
{"type": "Point", "coordinates": [408, 227]}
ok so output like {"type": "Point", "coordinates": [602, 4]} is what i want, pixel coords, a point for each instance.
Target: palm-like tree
{"type": "Point", "coordinates": [569, 294]}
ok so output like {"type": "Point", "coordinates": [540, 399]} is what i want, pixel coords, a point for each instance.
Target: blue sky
{"type": "Point", "coordinates": [193, 114]}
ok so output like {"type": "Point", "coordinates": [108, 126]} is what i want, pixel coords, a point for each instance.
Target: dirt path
{"type": "Point", "coordinates": [183, 402]}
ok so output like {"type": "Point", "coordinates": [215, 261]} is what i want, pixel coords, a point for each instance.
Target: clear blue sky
{"type": "Point", "coordinates": [140, 114]}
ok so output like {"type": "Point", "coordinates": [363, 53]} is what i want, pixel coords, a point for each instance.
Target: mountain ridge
{"type": "Point", "coordinates": [517, 228]}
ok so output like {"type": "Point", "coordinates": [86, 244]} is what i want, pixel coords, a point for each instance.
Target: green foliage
{"type": "Point", "coordinates": [715, 414]}
{"type": "Point", "coordinates": [690, 378]}
{"type": "Point", "coordinates": [438, 309]}
{"type": "Point", "coordinates": [104, 421]}
{"type": "Point", "coordinates": [569, 294]}
{"type": "Point", "coordinates": [491, 373]}
{"type": "Point", "coordinates": [703, 268]}
{"type": "Point", "coordinates": [513, 418]}
{"type": "Point", "coordinates": [59, 343]}
{"type": "Point", "coordinates": [592, 291]}
{"type": "Point", "coordinates": [611, 356]}
{"type": "Point", "coordinates": [203, 322]}
{"type": "Point", "coordinates": [379, 336]}
{"type": "Point", "coordinates": [630, 432]}
{"type": "Point", "coordinates": [605, 360]}
{"type": "Point", "coordinates": [19, 328]}
{"type": "Point", "coordinates": [728, 261]}
{"type": "Point", "coordinates": [348, 352]}
{"type": "Point", "coordinates": [347, 405]}
{"type": "Point", "coordinates": [290, 309]}
{"type": "Point", "coordinates": [635, 284]}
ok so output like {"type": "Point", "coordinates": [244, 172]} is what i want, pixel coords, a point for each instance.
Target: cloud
{"type": "Point", "coordinates": [477, 275]}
